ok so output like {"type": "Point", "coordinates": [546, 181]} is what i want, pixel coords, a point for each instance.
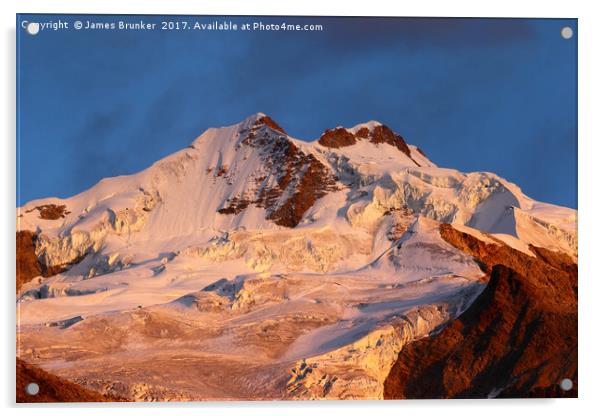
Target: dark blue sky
{"type": "Point", "coordinates": [497, 95]}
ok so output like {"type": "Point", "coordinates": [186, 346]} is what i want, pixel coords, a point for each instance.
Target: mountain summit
{"type": "Point", "coordinates": [276, 267]}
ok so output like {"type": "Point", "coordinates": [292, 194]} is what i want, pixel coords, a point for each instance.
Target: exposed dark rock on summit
{"type": "Point", "coordinates": [300, 178]}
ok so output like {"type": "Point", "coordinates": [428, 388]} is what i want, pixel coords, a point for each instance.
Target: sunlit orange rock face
{"type": "Point", "coordinates": [268, 121]}
{"type": "Point", "coordinates": [51, 211]}
{"type": "Point", "coordinates": [518, 339]}
{"type": "Point", "coordinates": [51, 388]}
{"type": "Point", "coordinates": [341, 137]}
{"type": "Point", "coordinates": [28, 266]}
{"type": "Point", "coordinates": [299, 175]}
{"type": "Point", "coordinates": [338, 137]}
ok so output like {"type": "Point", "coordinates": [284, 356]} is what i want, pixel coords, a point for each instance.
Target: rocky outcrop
{"type": "Point", "coordinates": [235, 205]}
{"type": "Point", "coordinates": [28, 265]}
{"type": "Point", "coordinates": [342, 137]}
{"type": "Point", "coordinates": [383, 134]}
{"type": "Point", "coordinates": [51, 211]}
{"type": "Point", "coordinates": [268, 121]}
{"type": "Point", "coordinates": [312, 184]}
{"type": "Point", "coordinates": [293, 180]}
{"type": "Point", "coordinates": [51, 388]}
{"type": "Point", "coordinates": [335, 138]}
{"type": "Point", "coordinates": [518, 339]}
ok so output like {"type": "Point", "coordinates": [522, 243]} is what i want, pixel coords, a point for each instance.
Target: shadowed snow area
{"type": "Point", "coordinates": [252, 265]}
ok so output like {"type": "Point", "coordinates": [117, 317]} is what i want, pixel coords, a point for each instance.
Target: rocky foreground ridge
{"type": "Point", "coordinates": [518, 338]}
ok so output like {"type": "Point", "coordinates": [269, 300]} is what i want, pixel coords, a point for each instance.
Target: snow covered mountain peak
{"type": "Point", "coordinates": [252, 245]}
{"type": "Point", "coordinates": [253, 174]}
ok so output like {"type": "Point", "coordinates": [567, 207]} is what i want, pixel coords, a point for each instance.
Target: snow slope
{"type": "Point", "coordinates": [308, 264]}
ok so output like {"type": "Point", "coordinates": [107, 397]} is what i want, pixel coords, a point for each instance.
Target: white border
{"type": "Point", "coordinates": [590, 71]}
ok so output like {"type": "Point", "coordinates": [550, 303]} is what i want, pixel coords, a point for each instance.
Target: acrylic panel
{"type": "Point", "coordinates": [295, 208]}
